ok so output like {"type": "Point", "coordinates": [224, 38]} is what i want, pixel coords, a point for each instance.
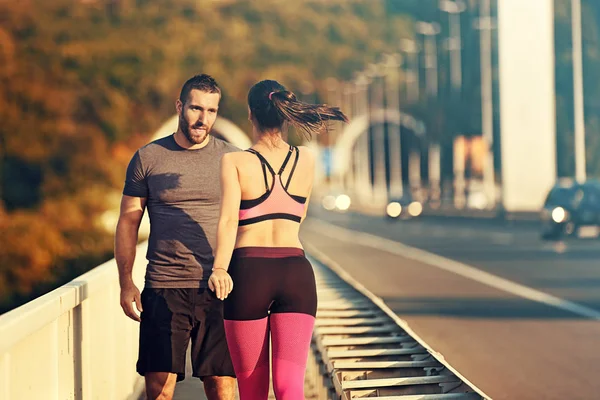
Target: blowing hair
{"type": "Point", "coordinates": [272, 106]}
{"type": "Point", "coordinates": [203, 82]}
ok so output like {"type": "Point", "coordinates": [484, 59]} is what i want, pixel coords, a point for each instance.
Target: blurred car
{"type": "Point", "coordinates": [336, 201]}
{"type": "Point", "coordinates": [403, 207]}
{"type": "Point", "coordinates": [572, 209]}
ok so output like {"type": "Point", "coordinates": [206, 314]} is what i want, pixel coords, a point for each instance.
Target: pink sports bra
{"type": "Point", "coordinates": [276, 203]}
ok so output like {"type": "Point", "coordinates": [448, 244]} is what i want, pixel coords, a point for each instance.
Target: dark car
{"type": "Point", "coordinates": [403, 207]}
{"type": "Point", "coordinates": [572, 209]}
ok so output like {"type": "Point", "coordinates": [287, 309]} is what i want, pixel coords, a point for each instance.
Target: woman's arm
{"type": "Point", "coordinates": [220, 281]}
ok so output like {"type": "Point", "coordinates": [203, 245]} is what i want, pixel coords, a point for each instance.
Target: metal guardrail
{"type": "Point", "coordinates": [361, 349]}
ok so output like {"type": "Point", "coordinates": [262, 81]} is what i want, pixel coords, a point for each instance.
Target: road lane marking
{"type": "Point", "coordinates": [502, 238]}
{"type": "Point", "coordinates": [496, 238]}
{"type": "Point", "coordinates": [453, 266]}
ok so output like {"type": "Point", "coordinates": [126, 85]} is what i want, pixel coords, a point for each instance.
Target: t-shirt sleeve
{"type": "Point", "coordinates": [135, 179]}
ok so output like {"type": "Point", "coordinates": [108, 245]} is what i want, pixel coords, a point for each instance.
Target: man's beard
{"type": "Point", "coordinates": [187, 131]}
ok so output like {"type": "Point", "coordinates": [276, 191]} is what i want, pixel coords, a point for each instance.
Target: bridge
{"type": "Point", "coordinates": [455, 302]}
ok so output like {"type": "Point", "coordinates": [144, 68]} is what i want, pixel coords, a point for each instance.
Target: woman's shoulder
{"type": "Point", "coordinates": [306, 153]}
{"type": "Point", "coordinates": [238, 157]}
{"type": "Point", "coordinates": [305, 150]}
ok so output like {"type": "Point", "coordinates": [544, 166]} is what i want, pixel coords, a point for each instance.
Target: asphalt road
{"type": "Point", "coordinates": [517, 316]}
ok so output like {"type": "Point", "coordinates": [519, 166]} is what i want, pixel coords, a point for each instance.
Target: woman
{"type": "Point", "coordinates": [265, 193]}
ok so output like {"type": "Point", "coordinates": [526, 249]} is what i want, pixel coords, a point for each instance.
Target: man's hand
{"type": "Point", "coordinates": [130, 294]}
{"type": "Point", "coordinates": [220, 282]}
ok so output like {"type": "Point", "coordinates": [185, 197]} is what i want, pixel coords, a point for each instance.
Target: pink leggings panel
{"type": "Point", "coordinates": [248, 343]}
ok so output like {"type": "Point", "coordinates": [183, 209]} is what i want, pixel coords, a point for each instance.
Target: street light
{"type": "Point", "coordinates": [430, 30]}
{"type": "Point", "coordinates": [578, 99]}
{"type": "Point", "coordinates": [376, 73]}
{"type": "Point", "coordinates": [454, 8]}
{"type": "Point", "coordinates": [410, 47]}
{"type": "Point", "coordinates": [485, 26]}
{"type": "Point", "coordinates": [361, 149]}
{"type": "Point", "coordinates": [391, 65]}
{"type": "Point", "coordinates": [347, 106]}
{"type": "Point", "coordinates": [334, 98]}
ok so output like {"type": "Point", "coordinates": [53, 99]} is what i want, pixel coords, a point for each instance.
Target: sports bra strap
{"type": "Point", "coordinates": [262, 160]}
{"type": "Point", "coordinates": [265, 176]}
{"type": "Point", "coordinates": [264, 164]}
{"type": "Point", "coordinates": [287, 158]}
{"type": "Point", "coordinates": [293, 168]}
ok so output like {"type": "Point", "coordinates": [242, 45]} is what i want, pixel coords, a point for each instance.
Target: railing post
{"type": "Point", "coordinates": [86, 352]}
{"type": "Point", "coordinates": [5, 376]}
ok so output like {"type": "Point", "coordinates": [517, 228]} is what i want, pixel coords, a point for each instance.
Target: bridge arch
{"type": "Point", "coordinates": [360, 125]}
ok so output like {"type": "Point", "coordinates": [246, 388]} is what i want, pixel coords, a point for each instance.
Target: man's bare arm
{"type": "Point", "coordinates": [126, 237]}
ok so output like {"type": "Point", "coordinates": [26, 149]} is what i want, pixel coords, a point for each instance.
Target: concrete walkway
{"type": "Point", "coordinates": [191, 388]}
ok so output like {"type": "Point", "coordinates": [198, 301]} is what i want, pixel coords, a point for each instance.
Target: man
{"type": "Point", "coordinates": [177, 178]}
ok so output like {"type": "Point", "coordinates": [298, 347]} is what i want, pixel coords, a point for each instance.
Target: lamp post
{"type": "Point", "coordinates": [346, 106]}
{"type": "Point", "coordinates": [580, 161]}
{"type": "Point", "coordinates": [454, 8]}
{"type": "Point", "coordinates": [334, 90]}
{"type": "Point", "coordinates": [410, 48]}
{"type": "Point", "coordinates": [391, 64]}
{"type": "Point", "coordinates": [485, 26]}
{"type": "Point", "coordinates": [430, 30]}
{"type": "Point", "coordinates": [376, 73]}
{"type": "Point", "coordinates": [361, 149]}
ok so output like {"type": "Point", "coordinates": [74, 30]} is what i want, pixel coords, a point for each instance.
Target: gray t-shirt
{"type": "Point", "coordinates": [183, 194]}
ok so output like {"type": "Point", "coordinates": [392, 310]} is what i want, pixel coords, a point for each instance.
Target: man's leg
{"type": "Point", "coordinates": [211, 361]}
{"type": "Point", "coordinates": [164, 337]}
{"type": "Point", "coordinates": [219, 387]}
{"type": "Point", "coordinates": [160, 385]}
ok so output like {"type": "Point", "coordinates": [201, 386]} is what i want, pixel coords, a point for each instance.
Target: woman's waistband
{"type": "Point", "coordinates": [268, 252]}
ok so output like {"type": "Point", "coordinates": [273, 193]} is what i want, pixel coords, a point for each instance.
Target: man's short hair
{"type": "Point", "coordinates": [203, 82]}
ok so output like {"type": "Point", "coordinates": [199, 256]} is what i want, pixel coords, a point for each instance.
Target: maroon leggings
{"type": "Point", "coordinates": [274, 294]}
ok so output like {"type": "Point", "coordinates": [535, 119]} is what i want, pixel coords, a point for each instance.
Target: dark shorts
{"type": "Point", "coordinates": [172, 317]}
{"type": "Point", "coordinates": [270, 280]}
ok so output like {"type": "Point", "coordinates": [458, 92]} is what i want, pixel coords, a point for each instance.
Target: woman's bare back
{"type": "Point", "coordinates": [273, 232]}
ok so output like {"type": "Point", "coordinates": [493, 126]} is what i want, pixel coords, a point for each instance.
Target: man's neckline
{"type": "Point", "coordinates": [210, 138]}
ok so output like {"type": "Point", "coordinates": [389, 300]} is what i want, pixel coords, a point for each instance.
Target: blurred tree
{"type": "Point", "coordinates": [83, 84]}
{"type": "Point", "coordinates": [30, 247]}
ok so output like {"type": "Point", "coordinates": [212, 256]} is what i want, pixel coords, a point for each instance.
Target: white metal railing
{"type": "Point", "coordinates": [74, 342]}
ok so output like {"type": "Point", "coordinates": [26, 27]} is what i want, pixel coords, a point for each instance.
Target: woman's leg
{"type": "Point", "coordinates": [292, 321]}
{"type": "Point", "coordinates": [248, 343]}
{"type": "Point", "coordinates": [291, 334]}
{"type": "Point", "coordinates": [247, 326]}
